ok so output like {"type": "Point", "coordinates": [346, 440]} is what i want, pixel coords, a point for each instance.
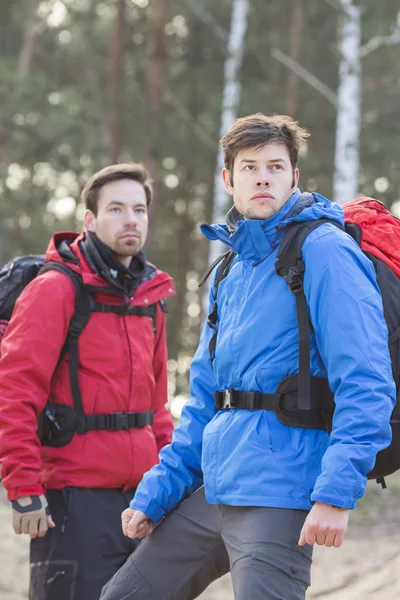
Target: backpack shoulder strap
{"type": "Point", "coordinates": [290, 250]}
{"type": "Point", "coordinates": [78, 322]}
{"type": "Point", "coordinates": [226, 262]}
{"type": "Point", "coordinates": [211, 268]}
{"type": "Point", "coordinates": [82, 311]}
{"type": "Point", "coordinates": [290, 266]}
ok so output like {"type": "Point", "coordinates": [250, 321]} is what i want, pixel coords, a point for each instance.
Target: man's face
{"type": "Point", "coordinates": [122, 219]}
{"type": "Point", "coordinates": [263, 180]}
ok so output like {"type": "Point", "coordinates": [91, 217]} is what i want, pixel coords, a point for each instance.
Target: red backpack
{"type": "Point", "coordinates": [379, 229]}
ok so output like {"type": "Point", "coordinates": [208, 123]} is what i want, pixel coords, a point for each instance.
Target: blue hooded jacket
{"type": "Point", "coordinates": [248, 458]}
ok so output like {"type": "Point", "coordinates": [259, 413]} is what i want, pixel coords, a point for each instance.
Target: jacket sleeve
{"type": "Point", "coordinates": [29, 354]}
{"type": "Point", "coordinates": [179, 472]}
{"type": "Point", "coordinates": [346, 310]}
{"type": "Point", "coordinates": [163, 425]}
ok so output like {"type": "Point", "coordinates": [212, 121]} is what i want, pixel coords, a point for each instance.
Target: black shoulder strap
{"type": "Point", "coordinates": [227, 260]}
{"type": "Point", "coordinates": [124, 309]}
{"type": "Point", "coordinates": [212, 267]}
{"type": "Point", "coordinates": [290, 266]}
{"type": "Point", "coordinates": [77, 324]}
{"type": "Point", "coordinates": [84, 306]}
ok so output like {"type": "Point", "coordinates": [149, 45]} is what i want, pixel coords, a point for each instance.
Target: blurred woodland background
{"type": "Point", "coordinates": [85, 83]}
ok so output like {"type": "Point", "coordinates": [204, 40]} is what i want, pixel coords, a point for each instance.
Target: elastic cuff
{"type": "Point", "coordinates": [33, 490]}
{"type": "Point", "coordinates": [154, 512]}
{"type": "Point", "coordinates": [340, 502]}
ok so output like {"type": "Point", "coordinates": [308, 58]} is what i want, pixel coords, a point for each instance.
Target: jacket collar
{"type": "Point", "coordinates": [257, 239]}
{"type": "Point", "coordinates": [251, 239]}
{"type": "Point", "coordinates": [103, 261]}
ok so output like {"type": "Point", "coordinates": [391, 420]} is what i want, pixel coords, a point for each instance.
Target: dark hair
{"type": "Point", "coordinates": [258, 130]}
{"type": "Point", "coordinates": [135, 171]}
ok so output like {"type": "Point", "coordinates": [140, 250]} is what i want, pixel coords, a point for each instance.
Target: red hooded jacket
{"type": "Point", "coordinates": [122, 367]}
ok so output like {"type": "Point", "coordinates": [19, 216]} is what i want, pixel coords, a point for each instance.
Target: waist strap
{"type": "Point", "coordinates": [285, 403]}
{"type": "Point", "coordinates": [117, 421]}
{"type": "Point", "coordinates": [246, 400]}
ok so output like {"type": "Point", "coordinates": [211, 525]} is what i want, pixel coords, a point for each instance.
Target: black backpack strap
{"type": "Point", "coordinates": [212, 267]}
{"type": "Point", "coordinates": [118, 421]}
{"type": "Point", "coordinates": [290, 266]}
{"type": "Point", "coordinates": [127, 310]}
{"type": "Point", "coordinates": [84, 306]}
{"type": "Point", "coordinates": [77, 324]}
{"type": "Point", "coordinates": [284, 402]}
{"type": "Point", "coordinates": [226, 261]}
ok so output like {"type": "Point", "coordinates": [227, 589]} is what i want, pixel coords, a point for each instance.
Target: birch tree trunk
{"type": "Point", "coordinates": [345, 184]}
{"type": "Point", "coordinates": [230, 102]}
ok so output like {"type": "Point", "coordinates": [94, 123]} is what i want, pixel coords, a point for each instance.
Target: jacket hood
{"type": "Point", "coordinates": [64, 248]}
{"type": "Point", "coordinates": [60, 250]}
{"type": "Point", "coordinates": [312, 207]}
{"type": "Point", "coordinates": [256, 239]}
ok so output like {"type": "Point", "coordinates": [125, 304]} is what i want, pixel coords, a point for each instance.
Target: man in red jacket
{"type": "Point", "coordinates": [69, 497]}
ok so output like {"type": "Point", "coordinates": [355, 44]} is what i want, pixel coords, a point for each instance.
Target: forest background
{"type": "Point", "coordinates": [85, 83]}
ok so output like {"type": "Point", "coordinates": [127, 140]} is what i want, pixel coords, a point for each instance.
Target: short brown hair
{"type": "Point", "coordinates": [258, 130]}
{"type": "Point", "coordinates": [135, 171]}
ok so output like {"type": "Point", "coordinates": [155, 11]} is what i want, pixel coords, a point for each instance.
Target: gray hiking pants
{"type": "Point", "coordinates": [198, 542]}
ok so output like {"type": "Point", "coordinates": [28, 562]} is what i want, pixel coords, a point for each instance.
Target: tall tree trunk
{"type": "Point", "coordinates": [23, 70]}
{"type": "Point", "coordinates": [295, 37]}
{"type": "Point", "coordinates": [186, 246]}
{"type": "Point", "coordinates": [116, 73]}
{"type": "Point", "coordinates": [157, 62]}
{"type": "Point", "coordinates": [26, 54]}
{"type": "Point", "coordinates": [91, 72]}
{"type": "Point", "coordinates": [230, 103]}
{"type": "Point", "coordinates": [345, 184]}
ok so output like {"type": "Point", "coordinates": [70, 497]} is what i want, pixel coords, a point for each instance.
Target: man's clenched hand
{"type": "Point", "coordinates": [325, 525]}
{"type": "Point", "coordinates": [30, 516]}
{"type": "Point", "coordinates": [136, 524]}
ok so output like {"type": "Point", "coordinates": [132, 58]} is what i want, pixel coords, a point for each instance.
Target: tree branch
{"type": "Point", "coordinates": [308, 77]}
{"type": "Point", "coordinates": [181, 110]}
{"type": "Point", "coordinates": [219, 32]}
{"type": "Point", "coordinates": [381, 40]}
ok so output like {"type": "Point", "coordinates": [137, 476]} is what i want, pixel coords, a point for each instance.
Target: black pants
{"type": "Point", "coordinates": [75, 559]}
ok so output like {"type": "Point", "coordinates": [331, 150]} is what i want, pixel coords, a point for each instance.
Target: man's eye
{"type": "Point", "coordinates": [249, 168]}
{"type": "Point", "coordinates": [116, 209]}
{"type": "Point", "coordinates": [277, 167]}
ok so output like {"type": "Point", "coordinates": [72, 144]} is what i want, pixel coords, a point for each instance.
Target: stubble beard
{"type": "Point", "coordinates": [262, 213]}
{"type": "Point", "coordinates": [259, 213]}
{"type": "Point", "coordinates": [127, 247]}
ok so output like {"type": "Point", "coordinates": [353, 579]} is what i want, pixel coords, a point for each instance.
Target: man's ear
{"type": "Point", "coordinates": [296, 176]}
{"type": "Point", "coordinates": [226, 177]}
{"type": "Point", "coordinates": [89, 220]}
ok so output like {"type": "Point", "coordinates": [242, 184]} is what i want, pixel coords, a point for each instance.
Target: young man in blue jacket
{"type": "Point", "coordinates": [258, 494]}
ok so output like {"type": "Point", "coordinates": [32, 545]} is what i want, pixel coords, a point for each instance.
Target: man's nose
{"type": "Point", "coordinates": [263, 178]}
{"type": "Point", "coordinates": [130, 218]}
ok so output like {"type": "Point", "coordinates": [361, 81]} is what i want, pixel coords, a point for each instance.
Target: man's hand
{"type": "Point", "coordinates": [325, 525]}
{"type": "Point", "coordinates": [136, 524]}
{"type": "Point", "coordinates": [30, 516]}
